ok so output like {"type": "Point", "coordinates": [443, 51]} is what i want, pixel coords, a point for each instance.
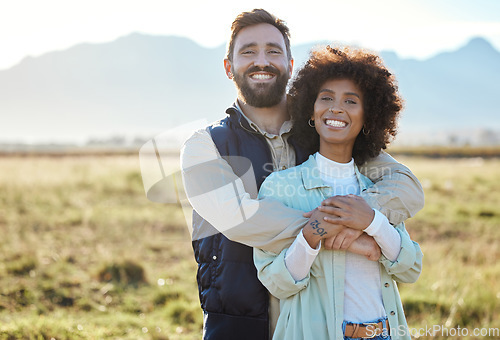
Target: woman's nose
{"type": "Point", "coordinates": [335, 109]}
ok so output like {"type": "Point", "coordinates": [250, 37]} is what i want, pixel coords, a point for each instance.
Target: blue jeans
{"type": "Point", "coordinates": [384, 336]}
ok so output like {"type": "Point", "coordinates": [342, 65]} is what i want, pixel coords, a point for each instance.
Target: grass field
{"type": "Point", "coordinates": [84, 254]}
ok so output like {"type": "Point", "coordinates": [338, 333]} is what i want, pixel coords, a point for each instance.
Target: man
{"type": "Point", "coordinates": [224, 165]}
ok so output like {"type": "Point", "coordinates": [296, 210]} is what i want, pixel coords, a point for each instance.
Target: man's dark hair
{"type": "Point", "coordinates": [381, 101]}
{"type": "Point", "coordinates": [255, 17]}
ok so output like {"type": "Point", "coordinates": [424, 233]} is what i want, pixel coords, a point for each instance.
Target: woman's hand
{"type": "Point", "coordinates": [318, 228]}
{"type": "Point", "coordinates": [334, 220]}
{"type": "Point", "coordinates": [351, 211]}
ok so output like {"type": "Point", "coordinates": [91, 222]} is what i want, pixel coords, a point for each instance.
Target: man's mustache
{"type": "Point", "coordinates": [268, 69]}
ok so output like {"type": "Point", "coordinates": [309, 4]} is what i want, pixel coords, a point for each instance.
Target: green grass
{"type": "Point", "coordinates": [459, 233]}
{"type": "Point", "coordinates": [84, 254]}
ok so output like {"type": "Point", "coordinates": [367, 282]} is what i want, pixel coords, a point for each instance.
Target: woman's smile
{"type": "Point", "coordinates": [335, 123]}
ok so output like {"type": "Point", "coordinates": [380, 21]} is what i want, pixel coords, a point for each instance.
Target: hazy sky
{"type": "Point", "coordinates": [417, 28]}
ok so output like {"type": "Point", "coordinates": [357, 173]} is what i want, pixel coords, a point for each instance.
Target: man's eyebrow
{"type": "Point", "coordinates": [253, 44]}
{"type": "Point", "coordinates": [275, 45]}
{"type": "Point", "coordinates": [346, 93]}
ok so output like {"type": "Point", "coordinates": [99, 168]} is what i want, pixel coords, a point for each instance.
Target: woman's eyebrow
{"type": "Point", "coordinates": [327, 90]}
{"type": "Point", "coordinates": [352, 94]}
{"type": "Point", "coordinates": [346, 93]}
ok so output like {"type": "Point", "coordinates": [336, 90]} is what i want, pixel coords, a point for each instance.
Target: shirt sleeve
{"type": "Point", "coordinates": [397, 193]}
{"type": "Point", "coordinates": [272, 272]}
{"type": "Point", "coordinates": [385, 235]}
{"type": "Point", "coordinates": [300, 257]}
{"type": "Point", "coordinates": [408, 265]}
{"type": "Point", "coordinates": [222, 198]}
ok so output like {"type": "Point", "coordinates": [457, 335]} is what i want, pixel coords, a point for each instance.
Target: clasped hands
{"type": "Point", "coordinates": [339, 221]}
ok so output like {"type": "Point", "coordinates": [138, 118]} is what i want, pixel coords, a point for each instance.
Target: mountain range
{"type": "Point", "coordinates": [141, 85]}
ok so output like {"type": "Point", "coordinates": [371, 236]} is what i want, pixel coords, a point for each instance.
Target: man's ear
{"type": "Point", "coordinates": [227, 68]}
{"type": "Point", "coordinates": [290, 68]}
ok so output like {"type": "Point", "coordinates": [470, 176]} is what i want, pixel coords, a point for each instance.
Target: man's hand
{"type": "Point", "coordinates": [351, 211]}
{"type": "Point", "coordinates": [366, 245]}
{"type": "Point", "coordinates": [343, 240]}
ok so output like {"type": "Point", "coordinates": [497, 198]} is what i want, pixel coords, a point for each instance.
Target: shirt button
{"type": "Point", "coordinates": [386, 284]}
{"type": "Point", "coordinates": [214, 257]}
{"type": "Point", "coordinates": [393, 313]}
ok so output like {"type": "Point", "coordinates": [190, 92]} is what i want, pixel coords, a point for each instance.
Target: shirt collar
{"type": "Point", "coordinates": [332, 169]}
{"type": "Point", "coordinates": [285, 128]}
{"type": "Point", "coordinates": [312, 180]}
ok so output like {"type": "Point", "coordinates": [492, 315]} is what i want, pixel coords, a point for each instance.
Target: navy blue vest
{"type": "Point", "coordinates": [234, 301]}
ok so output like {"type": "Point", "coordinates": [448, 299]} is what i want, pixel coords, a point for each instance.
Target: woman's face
{"type": "Point", "coordinates": [338, 113]}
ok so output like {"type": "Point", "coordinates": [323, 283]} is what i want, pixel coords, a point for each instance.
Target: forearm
{"type": "Point", "coordinates": [408, 265]}
{"type": "Point", "coordinates": [385, 235]}
{"type": "Point", "coordinates": [272, 272]}
{"type": "Point", "coordinates": [223, 199]}
{"type": "Point", "coordinates": [300, 257]}
{"type": "Point", "coordinates": [397, 193]}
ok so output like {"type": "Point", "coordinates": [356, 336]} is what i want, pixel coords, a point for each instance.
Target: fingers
{"type": "Point", "coordinates": [339, 242]}
{"type": "Point", "coordinates": [334, 215]}
{"type": "Point", "coordinates": [334, 211]}
{"type": "Point", "coordinates": [339, 201]}
{"type": "Point", "coordinates": [351, 211]}
{"type": "Point", "coordinates": [328, 242]}
{"type": "Point", "coordinates": [337, 220]}
{"type": "Point", "coordinates": [350, 237]}
{"type": "Point", "coordinates": [343, 240]}
{"type": "Point", "coordinates": [308, 214]}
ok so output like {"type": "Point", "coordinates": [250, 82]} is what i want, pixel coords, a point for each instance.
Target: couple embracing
{"type": "Point", "coordinates": [311, 244]}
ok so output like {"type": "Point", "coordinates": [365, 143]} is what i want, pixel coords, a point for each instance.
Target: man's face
{"type": "Point", "coordinates": [260, 65]}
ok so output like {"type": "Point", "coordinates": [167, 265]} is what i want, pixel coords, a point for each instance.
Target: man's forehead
{"type": "Point", "coordinates": [260, 34]}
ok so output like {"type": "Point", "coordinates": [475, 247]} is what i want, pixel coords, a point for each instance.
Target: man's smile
{"type": "Point", "coordinates": [259, 76]}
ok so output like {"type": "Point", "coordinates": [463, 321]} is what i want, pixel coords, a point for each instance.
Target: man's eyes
{"type": "Point", "coordinates": [276, 52]}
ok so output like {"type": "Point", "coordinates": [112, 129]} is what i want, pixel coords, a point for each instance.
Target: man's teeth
{"type": "Point", "coordinates": [335, 123]}
{"type": "Point", "coordinates": [260, 76]}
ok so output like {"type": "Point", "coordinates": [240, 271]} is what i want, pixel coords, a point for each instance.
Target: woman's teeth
{"type": "Point", "coordinates": [335, 123]}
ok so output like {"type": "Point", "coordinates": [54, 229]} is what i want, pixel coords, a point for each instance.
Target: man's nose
{"type": "Point", "coordinates": [261, 59]}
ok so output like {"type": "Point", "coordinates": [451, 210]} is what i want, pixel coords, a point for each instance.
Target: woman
{"type": "Point", "coordinates": [344, 105]}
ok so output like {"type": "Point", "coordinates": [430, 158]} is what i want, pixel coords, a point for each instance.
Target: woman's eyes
{"type": "Point", "coordinates": [347, 101]}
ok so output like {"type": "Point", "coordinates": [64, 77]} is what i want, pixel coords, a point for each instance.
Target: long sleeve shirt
{"type": "Point", "coordinates": [363, 301]}
{"type": "Point", "coordinates": [314, 307]}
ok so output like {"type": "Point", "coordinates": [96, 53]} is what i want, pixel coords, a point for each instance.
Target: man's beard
{"type": "Point", "coordinates": [262, 95]}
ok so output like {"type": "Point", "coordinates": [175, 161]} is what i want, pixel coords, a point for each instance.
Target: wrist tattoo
{"type": "Point", "coordinates": [317, 229]}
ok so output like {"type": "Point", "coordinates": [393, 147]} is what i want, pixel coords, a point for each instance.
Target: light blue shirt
{"type": "Point", "coordinates": [313, 307]}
